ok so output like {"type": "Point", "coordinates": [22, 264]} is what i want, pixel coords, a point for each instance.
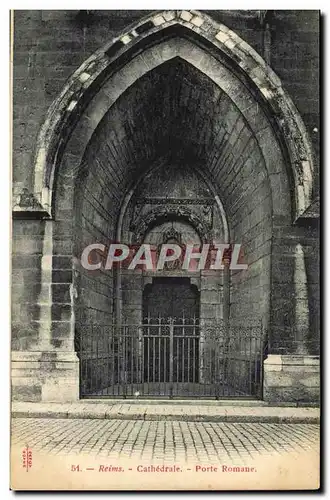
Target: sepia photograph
{"type": "Point", "coordinates": [165, 234]}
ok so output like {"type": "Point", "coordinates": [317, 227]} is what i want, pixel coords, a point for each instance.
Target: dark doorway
{"type": "Point", "coordinates": [171, 332]}
{"type": "Point", "coordinates": [171, 298]}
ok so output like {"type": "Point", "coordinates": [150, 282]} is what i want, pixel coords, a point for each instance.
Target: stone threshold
{"type": "Point", "coordinates": [201, 402]}
{"type": "Point", "coordinates": [189, 413]}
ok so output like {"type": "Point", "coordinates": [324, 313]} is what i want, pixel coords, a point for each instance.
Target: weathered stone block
{"type": "Point", "coordinates": [51, 383]}
{"type": "Point", "coordinates": [312, 381]}
{"type": "Point", "coordinates": [61, 293]}
{"type": "Point", "coordinates": [132, 297]}
{"type": "Point", "coordinates": [62, 276]}
{"type": "Point", "coordinates": [23, 389]}
{"type": "Point", "coordinates": [294, 382]}
{"type": "Point", "coordinates": [62, 262]}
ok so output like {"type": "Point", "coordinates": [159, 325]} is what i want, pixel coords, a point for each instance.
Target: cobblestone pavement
{"type": "Point", "coordinates": [161, 441]}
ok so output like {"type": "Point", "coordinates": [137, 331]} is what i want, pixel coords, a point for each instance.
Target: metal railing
{"type": "Point", "coordinates": [171, 358]}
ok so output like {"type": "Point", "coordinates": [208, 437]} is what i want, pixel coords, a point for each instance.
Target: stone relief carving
{"type": "Point", "coordinates": [171, 236]}
{"type": "Point", "coordinates": [27, 203]}
{"type": "Point", "coordinates": [147, 211]}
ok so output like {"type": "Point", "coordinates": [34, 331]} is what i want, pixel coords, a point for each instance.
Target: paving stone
{"type": "Point", "coordinates": [163, 441]}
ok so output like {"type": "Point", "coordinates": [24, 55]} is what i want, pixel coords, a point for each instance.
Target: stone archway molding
{"type": "Point", "coordinates": [164, 213]}
{"type": "Point", "coordinates": [154, 168]}
{"type": "Point", "coordinates": [66, 111]}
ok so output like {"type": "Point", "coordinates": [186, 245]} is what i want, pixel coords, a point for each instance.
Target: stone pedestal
{"type": "Point", "coordinates": [292, 378]}
{"type": "Point", "coordinates": [45, 376]}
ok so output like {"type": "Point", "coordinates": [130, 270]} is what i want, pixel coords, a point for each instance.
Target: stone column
{"type": "Point", "coordinates": [226, 294]}
{"type": "Point", "coordinates": [131, 296]}
{"type": "Point", "coordinates": [292, 374]}
{"type": "Point", "coordinates": [45, 366]}
{"type": "Point", "coordinates": [211, 317]}
{"type": "Point", "coordinates": [301, 302]}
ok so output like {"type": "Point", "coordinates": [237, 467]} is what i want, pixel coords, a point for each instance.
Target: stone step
{"type": "Point", "coordinates": [143, 411]}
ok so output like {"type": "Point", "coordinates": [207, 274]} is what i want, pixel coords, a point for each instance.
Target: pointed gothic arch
{"type": "Point", "coordinates": [78, 109]}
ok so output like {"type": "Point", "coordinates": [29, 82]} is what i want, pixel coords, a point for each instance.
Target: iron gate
{"type": "Point", "coordinates": [173, 358]}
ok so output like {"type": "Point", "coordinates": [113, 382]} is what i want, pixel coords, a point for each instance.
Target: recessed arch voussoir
{"type": "Point", "coordinates": [223, 39]}
{"type": "Point", "coordinates": [236, 91]}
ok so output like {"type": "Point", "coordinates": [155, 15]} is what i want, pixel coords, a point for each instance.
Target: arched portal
{"type": "Point", "coordinates": [183, 101]}
{"type": "Point", "coordinates": [121, 56]}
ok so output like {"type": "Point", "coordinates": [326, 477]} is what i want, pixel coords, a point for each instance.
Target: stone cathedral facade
{"type": "Point", "coordinates": [165, 127]}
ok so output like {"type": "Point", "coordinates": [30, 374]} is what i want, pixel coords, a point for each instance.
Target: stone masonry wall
{"type": "Point", "coordinates": [51, 45]}
{"type": "Point", "coordinates": [26, 278]}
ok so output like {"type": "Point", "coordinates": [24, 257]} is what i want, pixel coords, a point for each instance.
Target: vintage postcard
{"type": "Point", "coordinates": [165, 250]}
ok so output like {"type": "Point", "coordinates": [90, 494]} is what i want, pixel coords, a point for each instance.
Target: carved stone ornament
{"type": "Point", "coordinates": [27, 205]}
{"type": "Point", "coordinates": [166, 213]}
